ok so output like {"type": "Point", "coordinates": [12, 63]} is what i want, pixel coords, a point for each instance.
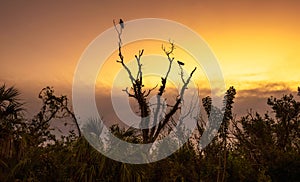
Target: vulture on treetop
{"type": "Point", "coordinates": [121, 23]}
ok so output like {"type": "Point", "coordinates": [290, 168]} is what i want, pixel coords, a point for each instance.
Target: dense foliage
{"type": "Point", "coordinates": [253, 148]}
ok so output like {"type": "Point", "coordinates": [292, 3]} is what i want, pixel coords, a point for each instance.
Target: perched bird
{"type": "Point", "coordinates": [121, 23]}
{"type": "Point", "coordinates": [180, 63]}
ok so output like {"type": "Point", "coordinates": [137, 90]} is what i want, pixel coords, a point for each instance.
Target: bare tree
{"type": "Point", "coordinates": [139, 92]}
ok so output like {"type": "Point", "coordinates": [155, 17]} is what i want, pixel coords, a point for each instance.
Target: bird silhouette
{"type": "Point", "coordinates": [180, 63]}
{"type": "Point", "coordinates": [121, 22]}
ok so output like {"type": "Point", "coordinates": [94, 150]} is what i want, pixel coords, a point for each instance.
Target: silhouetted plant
{"type": "Point", "coordinates": [140, 94]}
{"type": "Point", "coordinates": [270, 145]}
{"type": "Point", "coordinates": [55, 107]}
{"type": "Point", "coordinates": [216, 152]}
{"type": "Point", "coordinates": [10, 105]}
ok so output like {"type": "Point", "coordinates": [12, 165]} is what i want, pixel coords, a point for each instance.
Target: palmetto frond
{"type": "Point", "coordinates": [10, 105]}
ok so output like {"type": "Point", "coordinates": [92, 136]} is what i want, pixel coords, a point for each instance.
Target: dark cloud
{"type": "Point", "coordinates": [256, 98]}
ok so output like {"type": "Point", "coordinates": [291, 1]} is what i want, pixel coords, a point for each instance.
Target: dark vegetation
{"type": "Point", "coordinates": [255, 147]}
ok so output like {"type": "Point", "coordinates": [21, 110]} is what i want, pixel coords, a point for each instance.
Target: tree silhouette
{"type": "Point", "coordinates": [271, 146]}
{"type": "Point", "coordinates": [55, 107]}
{"type": "Point", "coordinates": [10, 105]}
{"type": "Point", "coordinates": [11, 125]}
{"type": "Point", "coordinates": [140, 94]}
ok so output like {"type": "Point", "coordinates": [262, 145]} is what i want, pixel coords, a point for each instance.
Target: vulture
{"type": "Point", "coordinates": [121, 23]}
{"type": "Point", "coordinates": [180, 63]}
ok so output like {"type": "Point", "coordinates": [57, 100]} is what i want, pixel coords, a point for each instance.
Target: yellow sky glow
{"type": "Point", "coordinates": [255, 42]}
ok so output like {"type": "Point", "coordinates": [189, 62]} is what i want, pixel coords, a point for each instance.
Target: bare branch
{"type": "Point", "coordinates": [164, 80]}
{"type": "Point", "coordinates": [163, 86]}
{"type": "Point", "coordinates": [162, 124]}
{"type": "Point", "coordinates": [181, 74]}
{"type": "Point", "coordinates": [127, 92]}
{"type": "Point", "coordinates": [119, 32]}
{"type": "Point", "coordinates": [140, 73]}
{"type": "Point", "coordinates": [150, 90]}
{"type": "Point", "coordinates": [184, 87]}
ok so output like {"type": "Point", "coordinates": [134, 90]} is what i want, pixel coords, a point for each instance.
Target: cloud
{"type": "Point", "coordinates": [256, 98]}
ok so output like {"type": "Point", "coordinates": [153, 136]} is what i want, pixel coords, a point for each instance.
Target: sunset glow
{"type": "Point", "coordinates": [256, 43]}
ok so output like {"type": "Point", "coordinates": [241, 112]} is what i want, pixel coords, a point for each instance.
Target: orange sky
{"type": "Point", "coordinates": [257, 43]}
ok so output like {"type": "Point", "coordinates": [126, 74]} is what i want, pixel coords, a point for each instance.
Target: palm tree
{"type": "Point", "coordinates": [10, 123]}
{"type": "Point", "coordinates": [10, 105]}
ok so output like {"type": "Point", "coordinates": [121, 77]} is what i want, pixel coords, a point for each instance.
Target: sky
{"type": "Point", "coordinates": [257, 43]}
